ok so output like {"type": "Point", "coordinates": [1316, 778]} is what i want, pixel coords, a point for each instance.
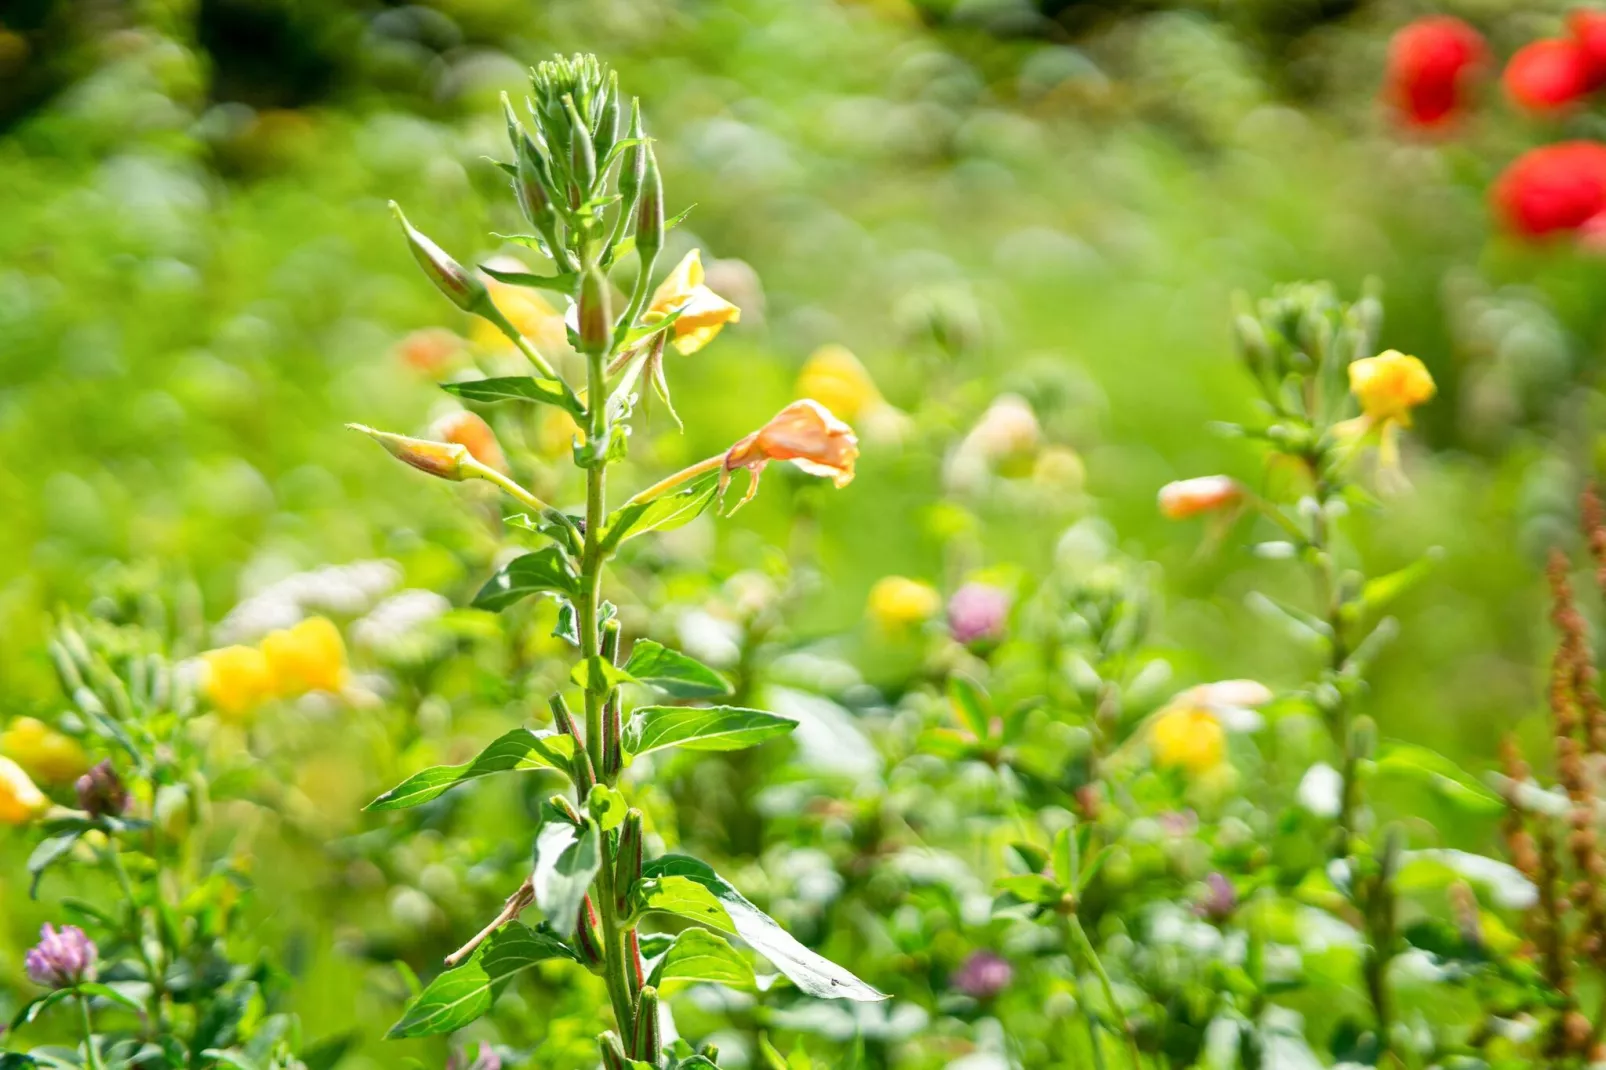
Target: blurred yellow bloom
{"type": "Point", "coordinates": [526, 309]}
{"type": "Point", "coordinates": [1188, 738]}
{"type": "Point", "coordinates": [556, 436]}
{"type": "Point", "coordinates": [310, 656]}
{"type": "Point", "coordinates": [20, 800]}
{"type": "Point", "coordinates": [899, 602]}
{"type": "Point", "coordinates": [236, 680]}
{"type": "Point", "coordinates": [834, 377]}
{"type": "Point", "coordinates": [1389, 386]}
{"type": "Point", "coordinates": [703, 313]}
{"type": "Point", "coordinates": [45, 753]}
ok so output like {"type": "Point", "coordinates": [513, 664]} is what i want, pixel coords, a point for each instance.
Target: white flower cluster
{"type": "Point", "coordinates": [341, 590]}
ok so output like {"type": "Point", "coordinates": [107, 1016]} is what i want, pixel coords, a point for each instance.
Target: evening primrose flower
{"type": "Point", "coordinates": [1189, 738]}
{"type": "Point", "coordinates": [834, 377]}
{"type": "Point", "coordinates": [45, 753]}
{"type": "Point", "coordinates": [805, 433]}
{"type": "Point", "coordinates": [703, 313]}
{"type": "Point", "coordinates": [1388, 386]}
{"type": "Point", "coordinates": [235, 679]}
{"type": "Point", "coordinates": [530, 314]}
{"type": "Point", "coordinates": [898, 602]}
{"type": "Point", "coordinates": [20, 800]}
{"type": "Point", "coordinates": [311, 656]}
{"type": "Point", "coordinates": [1203, 494]}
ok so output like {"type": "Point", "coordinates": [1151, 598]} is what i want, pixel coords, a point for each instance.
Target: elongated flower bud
{"type": "Point", "coordinates": [448, 460]}
{"type": "Point", "coordinates": [613, 758]}
{"type": "Point", "coordinates": [627, 863]}
{"type": "Point", "coordinates": [582, 156]}
{"type": "Point", "coordinates": [596, 313]}
{"type": "Point", "coordinates": [650, 210]}
{"type": "Point", "coordinates": [646, 1046]}
{"type": "Point", "coordinates": [634, 166]}
{"type": "Point", "coordinates": [588, 936]}
{"type": "Point", "coordinates": [461, 286]}
{"type": "Point", "coordinates": [533, 179]}
{"type": "Point", "coordinates": [613, 1052]}
{"type": "Point", "coordinates": [607, 131]}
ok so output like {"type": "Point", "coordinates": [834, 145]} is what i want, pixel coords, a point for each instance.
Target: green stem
{"type": "Point", "coordinates": [1085, 947]}
{"type": "Point", "coordinates": [157, 1010]}
{"type": "Point", "coordinates": [91, 1050]}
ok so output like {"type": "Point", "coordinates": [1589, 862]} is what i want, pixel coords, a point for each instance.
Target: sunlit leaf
{"type": "Point", "coordinates": [522, 748]}
{"type": "Point", "coordinates": [567, 857]}
{"type": "Point", "coordinates": [683, 505]}
{"type": "Point", "coordinates": [675, 674]}
{"type": "Point", "coordinates": [698, 955]}
{"type": "Point", "coordinates": [514, 388]}
{"type": "Point", "coordinates": [462, 995]}
{"type": "Point", "coordinates": [701, 728]}
{"type": "Point", "coordinates": [546, 570]}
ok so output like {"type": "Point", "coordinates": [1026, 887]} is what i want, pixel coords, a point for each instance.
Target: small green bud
{"type": "Point", "coordinates": [1363, 739]}
{"type": "Point", "coordinates": [582, 156]}
{"type": "Point", "coordinates": [613, 758]}
{"type": "Point", "coordinates": [613, 1052]}
{"type": "Point", "coordinates": [627, 862]}
{"type": "Point", "coordinates": [608, 119]}
{"type": "Point", "coordinates": [610, 640]}
{"type": "Point", "coordinates": [448, 460]}
{"type": "Point", "coordinates": [461, 286]}
{"type": "Point", "coordinates": [596, 313]}
{"type": "Point", "coordinates": [650, 210]}
{"type": "Point", "coordinates": [646, 1045]}
{"type": "Point", "coordinates": [709, 1052]}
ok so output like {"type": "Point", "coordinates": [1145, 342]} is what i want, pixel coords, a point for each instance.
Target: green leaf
{"type": "Point", "coordinates": [811, 972]}
{"type": "Point", "coordinates": [47, 854]}
{"type": "Point", "coordinates": [598, 674]}
{"type": "Point", "coordinates": [113, 995]}
{"type": "Point", "coordinates": [567, 857]}
{"type": "Point", "coordinates": [1452, 783]}
{"type": "Point", "coordinates": [673, 673]}
{"type": "Point", "coordinates": [701, 728]}
{"type": "Point", "coordinates": [545, 570]}
{"type": "Point", "coordinates": [684, 898]}
{"type": "Point", "coordinates": [458, 997]}
{"type": "Point", "coordinates": [681, 506]}
{"type": "Point", "coordinates": [564, 282]}
{"type": "Point", "coordinates": [606, 806]}
{"type": "Point", "coordinates": [698, 955]}
{"type": "Point", "coordinates": [971, 704]}
{"type": "Point", "coordinates": [515, 388]}
{"type": "Point", "coordinates": [1029, 887]}
{"type": "Point", "coordinates": [568, 626]}
{"type": "Point", "coordinates": [1382, 590]}
{"type": "Point", "coordinates": [15, 1060]}
{"type": "Point", "coordinates": [30, 1011]}
{"type": "Point", "coordinates": [522, 748]}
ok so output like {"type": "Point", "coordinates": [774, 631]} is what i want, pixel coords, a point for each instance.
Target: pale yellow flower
{"type": "Point", "coordinates": [1203, 494]}
{"type": "Point", "coordinates": [1189, 738]}
{"type": "Point", "coordinates": [309, 656]}
{"type": "Point", "coordinates": [20, 800]}
{"type": "Point", "coordinates": [1390, 385]}
{"type": "Point", "coordinates": [898, 602]}
{"type": "Point", "coordinates": [557, 434]}
{"type": "Point", "coordinates": [703, 313]}
{"type": "Point", "coordinates": [805, 433]}
{"type": "Point", "coordinates": [834, 377]}
{"type": "Point", "coordinates": [45, 753]}
{"type": "Point", "coordinates": [236, 680]}
{"type": "Point", "coordinates": [529, 313]}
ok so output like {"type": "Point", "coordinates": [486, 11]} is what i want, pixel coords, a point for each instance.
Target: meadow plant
{"type": "Point", "coordinates": [586, 179]}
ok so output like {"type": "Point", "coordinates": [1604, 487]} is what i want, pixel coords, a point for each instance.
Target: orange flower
{"type": "Point", "coordinates": [466, 429]}
{"type": "Point", "coordinates": [703, 313]}
{"type": "Point", "coordinates": [805, 433]}
{"type": "Point", "coordinates": [1204, 494]}
{"type": "Point", "coordinates": [430, 351]}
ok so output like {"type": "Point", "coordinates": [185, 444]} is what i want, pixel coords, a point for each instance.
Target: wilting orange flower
{"type": "Point", "coordinates": [20, 800]}
{"type": "Point", "coordinates": [466, 429]}
{"type": "Point", "coordinates": [703, 313]}
{"type": "Point", "coordinates": [805, 433]}
{"type": "Point", "coordinates": [236, 679]}
{"type": "Point", "coordinates": [444, 459]}
{"type": "Point", "coordinates": [309, 656]}
{"type": "Point", "coordinates": [1203, 494]}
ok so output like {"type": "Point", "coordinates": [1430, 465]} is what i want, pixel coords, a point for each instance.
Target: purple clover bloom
{"type": "Point", "coordinates": [977, 611]}
{"type": "Point", "coordinates": [983, 975]}
{"type": "Point", "coordinates": [1219, 901]}
{"type": "Point", "coordinates": [63, 957]}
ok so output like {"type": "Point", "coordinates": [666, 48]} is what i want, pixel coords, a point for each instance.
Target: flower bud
{"type": "Point", "coordinates": [443, 459]}
{"type": "Point", "coordinates": [607, 131]}
{"type": "Point", "coordinates": [983, 975]}
{"type": "Point", "coordinates": [596, 313]}
{"type": "Point", "coordinates": [63, 958]}
{"type": "Point", "coordinates": [588, 936]}
{"type": "Point", "coordinates": [533, 178]}
{"type": "Point", "coordinates": [582, 157]}
{"type": "Point", "coordinates": [633, 168]}
{"type": "Point", "coordinates": [101, 792]}
{"type": "Point", "coordinates": [709, 1051]}
{"type": "Point", "coordinates": [978, 612]}
{"type": "Point", "coordinates": [649, 209]}
{"type": "Point", "coordinates": [1204, 494]}
{"type": "Point", "coordinates": [627, 863]}
{"type": "Point", "coordinates": [613, 1052]}
{"type": "Point", "coordinates": [646, 1046]}
{"type": "Point", "coordinates": [469, 430]}
{"type": "Point", "coordinates": [462, 287]}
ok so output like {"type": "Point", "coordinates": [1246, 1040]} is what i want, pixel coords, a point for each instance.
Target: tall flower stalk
{"type": "Point", "coordinates": [592, 193]}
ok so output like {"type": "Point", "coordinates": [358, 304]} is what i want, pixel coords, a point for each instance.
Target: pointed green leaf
{"type": "Point", "coordinates": [698, 955]}
{"type": "Point", "coordinates": [47, 854]}
{"type": "Point", "coordinates": [522, 748]}
{"type": "Point", "coordinates": [673, 673]}
{"type": "Point", "coordinates": [606, 806]}
{"type": "Point", "coordinates": [701, 728]}
{"type": "Point", "coordinates": [684, 898]}
{"type": "Point", "coordinates": [598, 674]}
{"type": "Point", "coordinates": [567, 857]}
{"type": "Point", "coordinates": [1452, 783]}
{"type": "Point", "coordinates": [683, 505]}
{"type": "Point", "coordinates": [546, 570]}
{"type": "Point", "coordinates": [459, 996]}
{"type": "Point", "coordinates": [811, 972]}
{"type": "Point", "coordinates": [566, 282]}
{"type": "Point", "coordinates": [514, 388]}
{"type": "Point", "coordinates": [971, 705]}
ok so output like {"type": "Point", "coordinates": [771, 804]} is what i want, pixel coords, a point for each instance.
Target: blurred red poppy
{"type": "Point", "coordinates": [1552, 189]}
{"type": "Point", "coordinates": [1431, 64]}
{"type": "Point", "coordinates": [1548, 74]}
{"type": "Point", "coordinates": [1588, 29]}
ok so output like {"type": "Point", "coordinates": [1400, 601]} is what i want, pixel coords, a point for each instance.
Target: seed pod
{"type": "Point", "coordinates": [646, 1046]}
{"type": "Point", "coordinates": [613, 757]}
{"type": "Point", "coordinates": [613, 1052]}
{"type": "Point", "coordinates": [627, 863]}
{"type": "Point", "coordinates": [635, 975]}
{"type": "Point", "coordinates": [582, 157]}
{"type": "Point", "coordinates": [596, 314]}
{"type": "Point", "coordinates": [462, 287]}
{"type": "Point", "coordinates": [583, 772]}
{"type": "Point", "coordinates": [650, 210]}
{"type": "Point", "coordinates": [101, 792]}
{"type": "Point", "coordinates": [588, 936]}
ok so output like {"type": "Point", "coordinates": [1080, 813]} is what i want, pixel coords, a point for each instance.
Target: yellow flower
{"type": "Point", "coordinates": [45, 753]}
{"type": "Point", "coordinates": [1188, 738]}
{"type": "Point", "coordinates": [556, 436]}
{"type": "Point", "coordinates": [1389, 386]}
{"type": "Point", "coordinates": [20, 800]}
{"type": "Point", "coordinates": [834, 377]}
{"type": "Point", "coordinates": [703, 313]}
{"type": "Point", "coordinates": [527, 310]}
{"type": "Point", "coordinates": [236, 680]}
{"type": "Point", "coordinates": [310, 656]}
{"type": "Point", "coordinates": [899, 602]}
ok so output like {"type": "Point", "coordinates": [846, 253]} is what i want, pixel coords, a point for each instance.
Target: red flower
{"type": "Point", "coordinates": [1547, 74]}
{"type": "Point", "coordinates": [1554, 188]}
{"type": "Point", "coordinates": [1588, 29]}
{"type": "Point", "coordinates": [1431, 61]}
